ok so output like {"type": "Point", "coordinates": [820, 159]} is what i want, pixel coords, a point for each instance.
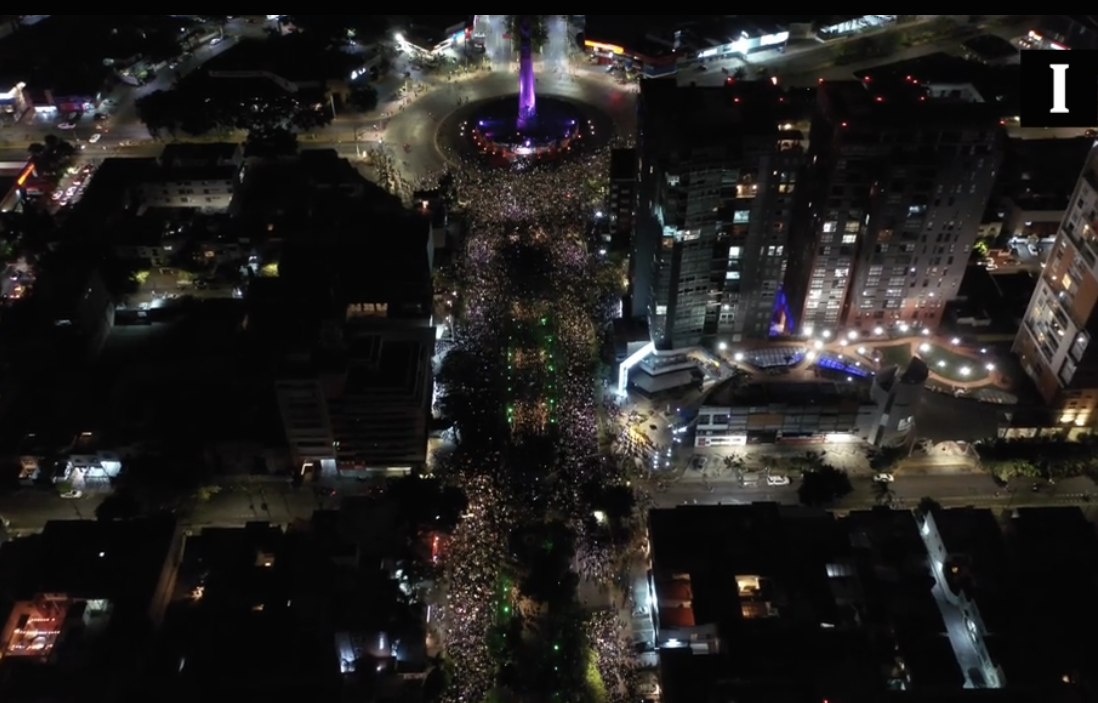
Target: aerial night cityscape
{"type": "Point", "coordinates": [641, 358]}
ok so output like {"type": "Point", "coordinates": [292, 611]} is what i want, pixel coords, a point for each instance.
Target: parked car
{"type": "Point", "coordinates": [66, 125]}
{"type": "Point", "coordinates": [777, 480]}
{"type": "Point", "coordinates": [72, 495]}
{"type": "Point", "coordinates": [884, 478]}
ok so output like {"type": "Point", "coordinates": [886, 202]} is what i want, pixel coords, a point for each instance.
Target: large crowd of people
{"type": "Point", "coordinates": [526, 264]}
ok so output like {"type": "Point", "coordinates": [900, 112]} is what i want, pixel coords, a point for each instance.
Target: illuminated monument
{"type": "Point", "coordinates": [521, 127]}
{"type": "Point", "coordinates": [528, 107]}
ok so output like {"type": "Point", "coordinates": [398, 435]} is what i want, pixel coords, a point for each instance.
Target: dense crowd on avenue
{"type": "Point", "coordinates": [527, 266]}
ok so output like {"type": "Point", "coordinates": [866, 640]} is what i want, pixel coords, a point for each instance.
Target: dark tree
{"type": "Point", "coordinates": [823, 486]}
{"type": "Point", "coordinates": [428, 504]}
{"type": "Point", "coordinates": [363, 98]}
{"type": "Point", "coordinates": [336, 30]}
{"type": "Point", "coordinates": [160, 45]}
{"type": "Point", "coordinates": [539, 33]}
{"type": "Point", "coordinates": [119, 277]}
{"type": "Point", "coordinates": [270, 143]}
{"type": "Point", "coordinates": [120, 505]}
{"type": "Point", "coordinates": [159, 111]}
{"type": "Point", "coordinates": [434, 685]}
{"type": "Point", "coordinates": [928, 505]}
{"type": "Point", "coordinates": [886, 458]}
{"type": "Point", "coordinates": [52, 156]}
{"type": "Point", "coordinates": [544, 552]}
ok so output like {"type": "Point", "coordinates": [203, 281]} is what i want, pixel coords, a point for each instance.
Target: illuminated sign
{"type": "Point", "coordinates": [772, 39]}
{"type": "Point", "coordinates": [28, 171]}
{"type": "Point", "coordinates": [599, 46]}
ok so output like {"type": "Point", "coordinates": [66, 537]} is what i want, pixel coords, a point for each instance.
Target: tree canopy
{"type": "Point", "coordinates": [198, 109]}
{"type": "Point", "coordinates": [823, 486]}
{"type": "Point", "coordinates": [338, 29]}
{"type": "Point", "coordinates": [539, 33]}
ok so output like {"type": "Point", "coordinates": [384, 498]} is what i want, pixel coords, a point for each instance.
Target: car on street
{"type": "Point", "coordinates": [1093, 133]}
{"type": "Point", "coordinates": [72, 495]}
{"type": "Point", "coordinates": [95, 137]}
{"type": "Point", "coordinates": [66, 125]}
{"type": "Point", "coordinates": [884, 478]}
{"type": "Point", "coordinates": [777, 480]}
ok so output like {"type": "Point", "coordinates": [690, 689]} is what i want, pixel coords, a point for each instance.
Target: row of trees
{"type": "Point", "coordinates": [539, 32]}
{"type": "Point", "coordinates": [198, 112]}
{"type": "Point", "coordinates": [1040, 458]}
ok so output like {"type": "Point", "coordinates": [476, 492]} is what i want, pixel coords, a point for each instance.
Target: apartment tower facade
{"type": "Point", "coordinates": [899, 185]}
{"type": "Point", "coordinates": [718, 168]}
{"type": "Point", "coordinates": [1053, 343]}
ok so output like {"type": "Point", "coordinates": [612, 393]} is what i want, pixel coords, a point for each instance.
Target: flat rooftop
{"type": "Point", "coordinates": [790, 394]}
{"type": "Point", "coordinates": [292, 57]}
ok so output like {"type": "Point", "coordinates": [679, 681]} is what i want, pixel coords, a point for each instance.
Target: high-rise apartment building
{"type": "Point", "coordinates": [718, 174]}
{"type": "Point", "coordinates": [1054, 341]}
{"type": "Point", "coordinates": [899, 183]}
{"type": "Point", "coordinates": [623, 192]}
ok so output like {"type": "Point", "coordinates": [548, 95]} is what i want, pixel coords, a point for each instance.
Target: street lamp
{"type": "Point", "coordinates": [359, 131]}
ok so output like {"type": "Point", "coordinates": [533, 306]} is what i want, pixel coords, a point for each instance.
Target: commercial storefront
{"type": "Point", "coordinates": [13, 104]}
{"type": "Point", "coordinates": [664, 62]}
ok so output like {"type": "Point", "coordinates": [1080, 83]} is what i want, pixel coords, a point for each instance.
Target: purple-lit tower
{"type": "Point", "coordinates": [528, 109]}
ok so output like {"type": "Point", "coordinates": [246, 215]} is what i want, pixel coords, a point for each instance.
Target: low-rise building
{"type": "Point", "coordinates": [879, 605]}
{"type": "Point", "coordinates": [742, 595]}
{"type": "Point", "coordinates": [85, 598]}
{"type": "Point", "coordinates": [201, 176]}
{"type": "Point", "coordinates": [735, 414]}
{"type": "Point", "coordinates": [81, 461]}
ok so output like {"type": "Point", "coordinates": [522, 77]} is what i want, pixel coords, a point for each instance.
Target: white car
{"type": "Point", "coordinates": [95, 137]}
{"type": "Point", "coordinates": [72, 495]}
{"type": "Point", "coordinates": [777, 480]}
{"type": "Point", "coordinates": [884, 478]}
{"type": "Point", "coordinates": [66, 125]}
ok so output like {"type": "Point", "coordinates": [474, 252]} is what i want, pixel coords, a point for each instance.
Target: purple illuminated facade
{"type": "Point", "coordinates": [527, 101]}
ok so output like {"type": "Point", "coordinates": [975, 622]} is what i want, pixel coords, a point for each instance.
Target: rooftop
{"type": "Point", "coordinates": [66, 53]}
{"type": "Point", "coordinates": [189, 154]}
{"type": "Point", "coordinates": [116, 561]}
{"type": "Point", "coordinates": [840, 601]}
{"type": "Point", "coordinates": [677, 114]}
{"type": "Point", "coordinates": [886, 106]}
{"type": "Point", "coordinates": [791, 394]}
{"type": "Point", "coordinates": [293, 57]}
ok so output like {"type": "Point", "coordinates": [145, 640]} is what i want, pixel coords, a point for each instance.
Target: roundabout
{"type": "Point", "coordinates": [487, 132]}
{"type": "Point", "coordinates": [424, 135]}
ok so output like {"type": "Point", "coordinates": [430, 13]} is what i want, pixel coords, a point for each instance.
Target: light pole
{"type": "Point", "coordinates": [359, 131]}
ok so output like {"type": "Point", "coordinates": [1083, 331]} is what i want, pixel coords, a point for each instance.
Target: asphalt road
{"type": "Point", "coordinates": [30, 509]}
{"type": "Point", "coordinates": [956, 490]}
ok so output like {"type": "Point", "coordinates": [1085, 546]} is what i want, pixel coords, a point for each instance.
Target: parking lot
{"type": "Point", "coordinates": [160, 287]}
{"type": "Point", "coordinates": [70, 188]}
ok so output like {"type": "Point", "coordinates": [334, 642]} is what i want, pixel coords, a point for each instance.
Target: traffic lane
{"type": "Point", "coordinates": [1018, 132]}
{"type": "Point", "coordinates": [905, 491]}
{"type": "Point", "coordinates": [29, 509]}
{"type": "Point", "coordinates": [807, 68]}
{"type": "Point", "coordinates": [276, 502]}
